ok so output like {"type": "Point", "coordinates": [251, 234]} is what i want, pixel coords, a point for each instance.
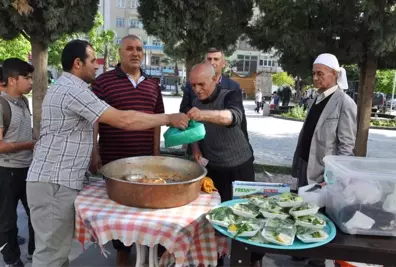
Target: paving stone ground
{"type": "Point", "coordinates": [273, 141]}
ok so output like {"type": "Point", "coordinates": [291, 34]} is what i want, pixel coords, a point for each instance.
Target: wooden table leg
{"type": "Point", "coordinates": [240, 254]}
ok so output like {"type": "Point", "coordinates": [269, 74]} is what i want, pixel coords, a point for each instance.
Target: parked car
{"type": "Point", "coordinates": [388, 103]}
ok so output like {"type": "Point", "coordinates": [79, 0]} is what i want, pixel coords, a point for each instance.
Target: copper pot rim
{"type": "Point", "coordinates": [205, 172]}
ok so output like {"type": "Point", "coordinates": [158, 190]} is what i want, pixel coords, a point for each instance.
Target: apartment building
{"type": "Point", "coordinates": [122, 17]}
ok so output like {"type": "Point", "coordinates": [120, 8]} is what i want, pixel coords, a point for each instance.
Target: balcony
{"type": "Point", "coordinates": [270, 69]}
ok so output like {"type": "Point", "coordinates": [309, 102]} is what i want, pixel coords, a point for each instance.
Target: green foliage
{"type": "Point", "coordinates": [352, 71]}
{"type": "Point", "coordinates": [99, 38]}
{"type": "Point", "coordinates": [18, 47]}
{"type": "Point", "coordinates": [384, 81]}
{"type": "Point", "coordinates": [282, 78]}
{"type": "Point", "coordinates": [297, 112]}
{"type": "Point", "coordinates": [300, 30]}
{"type": "Point", "coordinates": [49, 20]}
{"type": "Point", "coordinates": [190, 27]}
{"type": "Point", "coordinates": [384, 123]}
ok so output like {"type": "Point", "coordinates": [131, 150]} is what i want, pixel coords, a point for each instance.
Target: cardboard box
{"type": "Point", "coordinates": [241, 189]}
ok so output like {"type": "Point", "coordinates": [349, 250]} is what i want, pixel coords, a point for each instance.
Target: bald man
{"type": "Point", "coordinates": [226, 145]}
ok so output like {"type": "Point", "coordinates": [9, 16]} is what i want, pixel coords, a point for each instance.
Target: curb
{"type": "Point", "coordinates": [371, 127]}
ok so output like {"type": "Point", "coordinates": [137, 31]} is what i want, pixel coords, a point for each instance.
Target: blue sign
{"type": "Point", "coordinates": [153, 47]}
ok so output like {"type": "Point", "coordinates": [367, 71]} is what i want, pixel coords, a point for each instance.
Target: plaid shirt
{"type": "Point", "coordinates": [63, 153]}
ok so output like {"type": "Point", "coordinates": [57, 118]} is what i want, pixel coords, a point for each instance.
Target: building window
{"type": "Point", "coordinates": [132, 4]}
{"type": "Point", "coordinates": [247, 63]}
{"type": "Point", "coordinates": [155, 60]}
{"type": "Point", "coordinates": [156, 42]}
{"type": "Point", "coordinates": [134, 23]}
{"type": "Point", "coordinates": [118, 41]}
{"type": "Point", "coordinates": [121, 3]}
{"type": "Point", "coordinates": [144, 42]}
{"type": "Point", "coordinates": [120, 22]}
{"type": "Point", "coordinates": [261, 62]}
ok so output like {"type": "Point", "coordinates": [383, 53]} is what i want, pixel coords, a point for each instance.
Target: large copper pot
{"type": "Point", "coordinates": [158, 196]}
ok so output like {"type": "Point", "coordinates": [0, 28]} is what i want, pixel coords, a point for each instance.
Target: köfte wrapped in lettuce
{"type": "Point", "coordinates": [223, 216]}
{"type": "Point", "coordinates": [247, 210]}
{"type": "Point", "coordinates": [272, 210]}
{"type": "Point", "coordinates": [259, 201]}
{"type": "Point", "coordinates": [311, 221]}
{"type": "Point", "coordinates": [288, 200]}
{"type": "Point", "coordinates": [304, 210]}
{"type": "Point", "coordinates": [307, 235]}
{"type": "Point", "coordinates": [280, 232]}
{"type": "Point", "coordinates": [246, 228]}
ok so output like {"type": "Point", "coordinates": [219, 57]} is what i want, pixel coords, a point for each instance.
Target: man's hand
{"type": "Point", "coordinates": [33, 144]}
{"type": "Point", "coordinates": [178, 120]}
{"type": "Point", "coordinates": [195, 114]}
{"type": "Point", "coordinates": [196, 152]}
{"type": "Point", "coordinates": [96, 163]}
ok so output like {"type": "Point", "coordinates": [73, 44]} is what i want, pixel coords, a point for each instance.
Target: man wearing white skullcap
{"type": "Point", "coordinates": [330, 126]}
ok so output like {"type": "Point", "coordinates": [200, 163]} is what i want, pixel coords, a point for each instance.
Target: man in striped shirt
{"type": "Point", "coordinates": [127, 87]}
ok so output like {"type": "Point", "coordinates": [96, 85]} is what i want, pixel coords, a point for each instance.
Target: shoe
{"type": "Point", "coordinates": [29, 257]}
{"type": "Point", "coordinates": [123, 258]}
{"type": "Point", "coordinates": [18, 263]}
{"type": "Point", "coordinates": [21, 240]}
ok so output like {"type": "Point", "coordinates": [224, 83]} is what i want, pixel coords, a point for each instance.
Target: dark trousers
{"type": "Point", "coordinates": [13, 189]}
{"type": "Point", "coordinates": [257, 109]}
{"type": "Point", "coordinates": [223, 177]}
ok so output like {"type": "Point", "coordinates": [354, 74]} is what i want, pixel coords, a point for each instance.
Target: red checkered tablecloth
{"type": "Point", "coordinates": [184, 231]}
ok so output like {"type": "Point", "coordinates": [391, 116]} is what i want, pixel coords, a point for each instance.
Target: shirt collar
{"type": "Point", "coordinates": [326, 94]}
{"type": "Point", "coordinates": [221, 78]}
{"type": "Point", "coordinates": [74, 78]}
{"type": "Point", "coordinates": [122, 74]}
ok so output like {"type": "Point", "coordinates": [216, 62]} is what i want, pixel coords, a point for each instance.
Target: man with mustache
{"type": "Point", "coordinates": [62, 154]}
{"type": "Point", "coordinates": [127, 87]}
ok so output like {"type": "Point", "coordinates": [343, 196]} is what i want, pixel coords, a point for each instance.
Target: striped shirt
{"type": "Point", "coordinates": [116, 89]}
{"type": "Point", "coordinates": [63, 153]}
{"type": "Point", "coordinates": [19, 130]}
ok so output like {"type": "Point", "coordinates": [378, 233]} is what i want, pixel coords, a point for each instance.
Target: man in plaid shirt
{"type": "Point", "coordinates": [63, 152]}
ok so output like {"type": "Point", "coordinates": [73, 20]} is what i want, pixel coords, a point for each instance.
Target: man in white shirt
{"type": "Point", "coordinates": [259, 99]}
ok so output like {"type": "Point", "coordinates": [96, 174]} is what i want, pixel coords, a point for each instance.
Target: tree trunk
{"type": "Point", "coordinates": [106, 59]}
{"type": "Point", "coordinates": [40, 79]}
{"type": "Point", "coordinates": [368, 70]}
{"type": "Point", "coordinates": [298, 88]}
{"type": "Point", "coordinates": [190, 62]}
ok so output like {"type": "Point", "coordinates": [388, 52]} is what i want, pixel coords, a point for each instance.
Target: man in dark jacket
{"type": "Point", "coordinates": [215, 57]}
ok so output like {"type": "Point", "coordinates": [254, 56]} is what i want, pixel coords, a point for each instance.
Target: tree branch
{"type": "Point", "coordinates": [24, 34]}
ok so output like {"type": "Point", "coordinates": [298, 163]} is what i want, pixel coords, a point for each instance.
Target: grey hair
{"type": "Point", "coordinates": [131, 37]}
{"type": "Point", "coordinates": [210, 68]}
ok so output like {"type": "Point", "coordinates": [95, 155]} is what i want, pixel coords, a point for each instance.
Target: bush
{"type": "Point", "coordinates": [383, 123]}
{"type": "Point", "coordinates": [297, 112]}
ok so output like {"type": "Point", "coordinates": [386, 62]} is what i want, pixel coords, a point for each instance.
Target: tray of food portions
{"type": "Point", "coordinates": [283, 221]}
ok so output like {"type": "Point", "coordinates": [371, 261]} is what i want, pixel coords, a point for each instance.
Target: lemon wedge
{"type": "Point", "coordinates": [284, 238]}
{"type": "Point", "coordinates": [233, 228]}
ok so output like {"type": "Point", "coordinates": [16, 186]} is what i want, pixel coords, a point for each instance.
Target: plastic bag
{"type": "Point", "coordinates": [193, 133]}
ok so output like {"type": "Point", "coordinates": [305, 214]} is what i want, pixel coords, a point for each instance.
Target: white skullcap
{"type": "Point", "coordinates": [332, 62]}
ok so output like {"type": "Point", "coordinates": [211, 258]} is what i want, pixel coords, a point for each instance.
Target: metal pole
{"type": "Point", "coordinates": [393, 93]}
